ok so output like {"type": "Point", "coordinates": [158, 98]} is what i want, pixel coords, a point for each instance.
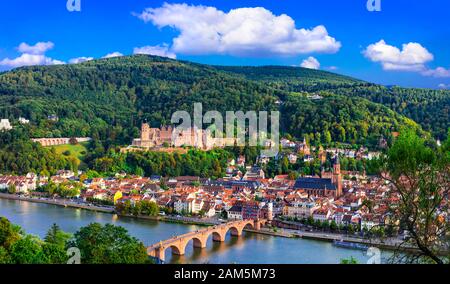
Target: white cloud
{"type": "Point", "coordinates": [31, 55]}
{"type": "Point", "coordinates": [241, 32]}
{"type": "Point", "coordinates": [412, 57]}
{"type": "Point", "coordinates": [310, 63]}
{"type": "Point", "coordinates": [80, 60]}
{"type": "Point", "coordinates": [439, 72]}
{"type": "Point", "coordinates": [38, 48]}
{"type": "Point", "coordinates": [158, 50]}
{"type": "Point", "coordinates": [444, 86]}
{"type": "Point", "coordinates": [113, 54]}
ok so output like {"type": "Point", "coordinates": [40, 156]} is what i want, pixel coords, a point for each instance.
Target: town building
{"type": "Point", "coordinates": [5, 125]}
{"type": "Point", "coordinates": [301, 209]}
{"type": "Point", "coordinates": [323, 187]}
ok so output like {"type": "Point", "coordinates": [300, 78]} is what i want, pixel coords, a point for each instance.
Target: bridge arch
{"type": "Point", "coordinates": [199, 238]}
{"type": "Point", "coordinates": [235, 230]}
{"type": "Point", "coordinates": [217, 236]}
{"type": "Point", "coordinates": [198, 242]}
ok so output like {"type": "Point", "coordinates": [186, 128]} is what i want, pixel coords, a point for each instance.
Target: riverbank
{"type": "Point", "coordinates": [169, 219]}
{"type": "Point", "coordinates": [104, 209]}
{"type": "Point", "coordinates": [58, 202]}
{"type": "Point", "coordinates": [285, 233]}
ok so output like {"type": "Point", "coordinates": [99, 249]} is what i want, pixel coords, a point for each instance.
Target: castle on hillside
{"type": "Point", "coordinates": [167, 135]}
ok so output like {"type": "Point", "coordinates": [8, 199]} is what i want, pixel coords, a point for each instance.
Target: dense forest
{"type": "Point", "coordinates": [108, 99]}
{"type": "Point", "coordinates": [429, 108]}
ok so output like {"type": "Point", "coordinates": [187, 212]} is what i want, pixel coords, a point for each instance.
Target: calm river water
{"type": "Point", "coordinates": [37, 218]}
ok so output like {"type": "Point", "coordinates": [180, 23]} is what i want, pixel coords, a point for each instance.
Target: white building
{"type": "Point", "coordinates": [369, 221]}
{"type": "Point", "coordinates": [23, 120]}
{"type": "Point", "coordinates": [197, 206]}
{"type": "Point", "coordinates": [235, 213]}
{"type": "Point", "coordinates": [322, 214]}
{"type": "Point", "coordinates": [5, 125]}
{"type": "Point", "coordinates": [183, 205]}
{"type": "Point", "coordinates": [301, 209]}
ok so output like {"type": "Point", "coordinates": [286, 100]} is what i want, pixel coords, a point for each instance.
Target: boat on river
{"type": "Point", "coordinates": [349, 245]}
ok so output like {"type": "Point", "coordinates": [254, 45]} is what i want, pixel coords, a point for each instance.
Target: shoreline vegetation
{"type": "Point", "coordinates": [317, 236]}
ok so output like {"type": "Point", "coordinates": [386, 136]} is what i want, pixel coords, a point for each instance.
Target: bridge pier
{"type": "Point", "coordinates": [158, 253]}
{"type": "Point", "coordinates": [257, 225]}
{"type": "Point", "coordinates": [235, 232]}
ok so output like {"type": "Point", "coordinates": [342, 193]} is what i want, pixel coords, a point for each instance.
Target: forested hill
{"type": "Point", "coordinates": [430, 108]}
{"type": "Point", "coordinates": [287, 76]}
{"type": "Point", "coordinates": [107, 99]}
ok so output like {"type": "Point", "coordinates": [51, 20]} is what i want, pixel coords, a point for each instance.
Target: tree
{"type": "Point", "coordinates": [149, 208]}
{"type": "Point", "coordinates": [28, 250]}
{"type": "Point", "coordinates": [12, 189]}
{"type": "Point", "coordinates": [420, 178]}
{"type": "Point", "coordinates": [57, 236]}
{"type": "Point", "coordinates": [293, 175]}
{"type": "Point", "coordinates": [54, 254]}
{"type": "Point", "coordinates": [9, 233]}
{"type": "Point", "coordinates": [139, 171]}
{"type": "Point", "coordinates": [4, 256]}
{"type": "Point", "coordinates": [108, 244]}
{"type": "Point", "coordinates": [350, 260]}
{"type": "Point", "coordinates": [333, 225]}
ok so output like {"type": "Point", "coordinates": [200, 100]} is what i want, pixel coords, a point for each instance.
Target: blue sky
{"type": "Point", "coordinates": [406, 44]}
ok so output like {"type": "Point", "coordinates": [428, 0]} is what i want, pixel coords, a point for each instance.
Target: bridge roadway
{"type": "Point", "coordinates": [200, 237]}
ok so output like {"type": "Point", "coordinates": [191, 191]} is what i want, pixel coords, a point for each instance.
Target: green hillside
{"type": "Point", "coordinates": [430, 108]}
{"type": "Point", "coordinates": [108, 99]}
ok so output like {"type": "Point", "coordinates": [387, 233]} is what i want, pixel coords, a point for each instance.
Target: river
{"type": "Point", "coordinates": [36, 218]}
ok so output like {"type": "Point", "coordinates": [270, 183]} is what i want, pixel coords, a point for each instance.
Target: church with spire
{"type": "Point", "coordinates": [328, 185]}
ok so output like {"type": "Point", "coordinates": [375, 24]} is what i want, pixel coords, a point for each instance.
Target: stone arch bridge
{"type": "Point", "coordinates": [200, 237]}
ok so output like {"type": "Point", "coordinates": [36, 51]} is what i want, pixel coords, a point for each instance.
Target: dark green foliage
{"type": "Point", "coordinates": [56, 236]}
{"type": "Point", "coordinates": [98, 244]}
{"type": "Point", "coordinates": [144, 207]}
{"type": "Point", "coordinates": [18, 155]}
{"type": "Point", "coordinates": [194, 162]}
{"type": "Point", "coordinates": [9, 233]}
{"type": "Point", "coordinates": [28, 250]}
{"type": "Point", "coordinates": [346, 119]}
{"type": "Point", "coordinates": [108, 244]}
{"type": "Point", "coordinates": [430, 108]}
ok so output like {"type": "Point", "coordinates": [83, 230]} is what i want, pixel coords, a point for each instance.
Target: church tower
{"type": "Point", "coordinates": [337, 178]}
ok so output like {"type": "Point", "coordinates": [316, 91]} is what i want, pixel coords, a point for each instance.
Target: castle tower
{"type": "Point", "coordinates": [145, 132]}
{"type": "Point", "coordinates": [337, 178]}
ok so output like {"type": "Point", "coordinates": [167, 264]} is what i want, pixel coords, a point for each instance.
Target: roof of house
{"type": "Point", "coordinates": [235, 208]}
{"type": "Point", "coordinates": [314, 183]}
